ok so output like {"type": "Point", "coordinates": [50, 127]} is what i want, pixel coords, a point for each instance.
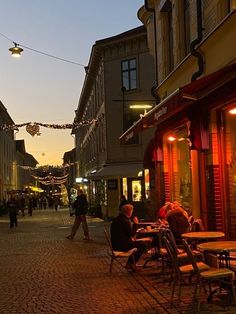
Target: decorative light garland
{"type": "Point", "coordinates": [45, 168]}
{"type": "Point", "coordinates": [47, 180]}
{"type": "Point", "coordinates": [33, 128]}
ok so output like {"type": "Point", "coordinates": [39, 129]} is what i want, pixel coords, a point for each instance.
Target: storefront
{"type": "Point", "coordinates": [111, 181]}
{"type": "Point", "coordinates": [193, 158]}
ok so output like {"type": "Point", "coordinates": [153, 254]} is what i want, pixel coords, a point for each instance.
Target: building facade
{"type": "Point", "coordinates": [7, 155]}
{"type": "Point", "coordinates": [193, 150]}
{"type": "Point", "coordinates": [116, 91]}
{"type": "Point", "coordinates": [24, 162]}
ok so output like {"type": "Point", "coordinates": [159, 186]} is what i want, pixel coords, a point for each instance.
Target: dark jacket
{"type": "Point", "coordinates": [81, 205]}
{"type": "Point", "coordinates": [178, 223]}
{"type": "Point", "coordinates": [121, 233]}
{"type": "Point", "coordinates": [12, 206]}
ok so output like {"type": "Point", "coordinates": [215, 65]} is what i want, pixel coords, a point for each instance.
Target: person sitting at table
{"type": "Point", "coordinates": [178, 221]}
{"type": "Point", "coordinates": [196, 224]}
{"type": "Point", "coordinates": [122, 236]}
{"type": "Point", "coordinates": [161, 214]}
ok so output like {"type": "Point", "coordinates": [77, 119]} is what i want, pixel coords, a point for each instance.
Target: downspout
{"type": "Point", "coordinates": [197, 41]}
{"type": "Point", "coordinates": [148, 9]}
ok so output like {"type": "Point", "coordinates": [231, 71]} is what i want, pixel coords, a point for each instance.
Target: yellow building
{"type": "Point", "coordinates": [192, 154]}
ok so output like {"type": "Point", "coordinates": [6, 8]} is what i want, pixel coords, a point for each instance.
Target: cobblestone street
{"type": "Point", "coordinates": [43, 272]}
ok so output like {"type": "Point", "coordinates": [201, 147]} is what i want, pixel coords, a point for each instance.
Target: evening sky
{"type": "Point", "coordinates": [37, 88]}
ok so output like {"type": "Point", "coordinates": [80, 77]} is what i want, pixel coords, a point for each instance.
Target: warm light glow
{"type": "Point", "coordinates": [171, 138]}
{"type": "Point", "coordinates": [232, 111]}
{"type": "Point", "coordinates": [140, 106]}
{"type": "Point", "coordinates": [16, 51]}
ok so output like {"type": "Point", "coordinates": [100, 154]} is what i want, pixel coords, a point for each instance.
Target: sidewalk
{"type": "Point", "coordinates": [43, 272]}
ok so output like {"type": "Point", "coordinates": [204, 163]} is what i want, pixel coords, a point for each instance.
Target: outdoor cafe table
{"type": "Point", "coordinates": [218, 246]}
{"type": "Point", "coordinates": [150, 233]}
{"type": "Point", "coordinates": [203, 235]}
{"type": "Point", "coordinates": [222, 248]}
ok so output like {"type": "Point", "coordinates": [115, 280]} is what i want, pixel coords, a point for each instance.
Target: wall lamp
{"type": "Point", "coordinates": [171, 138]}
{"type": "Point", "coordinates": [144, 107]}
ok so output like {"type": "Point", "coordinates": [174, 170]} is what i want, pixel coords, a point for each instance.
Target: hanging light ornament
{"type": "Point", "coordinates": [16, 51]}
{"type": "Point", "coordinates": [33, 129]}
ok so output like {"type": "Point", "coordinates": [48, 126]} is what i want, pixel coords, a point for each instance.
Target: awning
{"type": "Point", "coordinates": [117, 171]}
{"type": "Point", "coordinates": [180, 100]}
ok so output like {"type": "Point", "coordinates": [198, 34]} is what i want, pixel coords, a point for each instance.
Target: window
{"type": "Point", "coordinates": [170, 41]}
{"type": "Point", "coordinates": [186, 26]}
{"type": "Point", "coordinates": [129, 74]}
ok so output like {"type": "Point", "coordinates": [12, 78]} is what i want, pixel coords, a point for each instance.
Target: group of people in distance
{"type": "Point", "coordinates": [123, 229]}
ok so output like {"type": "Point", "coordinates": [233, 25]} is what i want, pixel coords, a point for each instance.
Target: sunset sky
{"type": "Point", "coordinates": [37, 88]}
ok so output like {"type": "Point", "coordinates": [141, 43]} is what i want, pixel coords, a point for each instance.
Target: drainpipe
{"type": "Point", "coordinates": [196, 41]}
{"type": "Point", "coordinates": [148, 9]}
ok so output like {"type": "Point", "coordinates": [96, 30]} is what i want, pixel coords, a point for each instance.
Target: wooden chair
{"type": "Point", "coordinates": [222, 276]}
{"type": "Point", "coordinates": [118, 255]}
{"type": "Point", "coordinates": [180, 272]}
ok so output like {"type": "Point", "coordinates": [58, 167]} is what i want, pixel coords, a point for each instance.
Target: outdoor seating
{"type": "Point", "coordinates": [224, 277]}
{"type": "Point", "coordinates": [117, 255]}
{"type": "Point", "coordinates": [180, 253]}
{"type": "Point", "coordinates": [181, 272]}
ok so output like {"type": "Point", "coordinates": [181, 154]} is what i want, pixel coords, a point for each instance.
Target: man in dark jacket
{"type": "Point", "coordinates": [81, 208]}
{"type": "Point", "coordinates": [122, 236]}
{"type": "Point", "coordinates": [12, 210]}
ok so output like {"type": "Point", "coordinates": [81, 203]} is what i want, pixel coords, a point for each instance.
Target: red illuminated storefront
{"type": "Point", "coordinates": [193, 155]}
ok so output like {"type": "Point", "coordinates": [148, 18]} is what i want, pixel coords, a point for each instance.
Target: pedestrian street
{"type": "Point", "coordinates": [43, 272]}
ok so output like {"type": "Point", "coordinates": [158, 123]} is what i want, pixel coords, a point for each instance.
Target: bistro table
{"type": "Point", "coordinates": [218, 246]}
{"type": "Point", "coordinates": [151, 233]}
{"type": "Point", "coordinates": [203, 235]}
{"type": "Point", "coordinates": [222, 250]}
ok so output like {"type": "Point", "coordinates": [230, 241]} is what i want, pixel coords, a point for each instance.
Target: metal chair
{"type": "Point", "coordinates": [222, 276]}
{"type": "Point", "coordinates": [117, 255]}
{"type": "Point", "coordinates": [181, 254]}
{"type": "Point", "coordinates": [180, 271]}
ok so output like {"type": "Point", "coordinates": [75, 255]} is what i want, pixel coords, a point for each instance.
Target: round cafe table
{"type": "Point", "coordinates": [222, 248]}
{"type": "Point", "coordinates": [203, 235]}
{"type": "Point", "coordinates": [217, 246]}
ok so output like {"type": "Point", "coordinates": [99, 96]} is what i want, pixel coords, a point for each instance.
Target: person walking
{"type": "Point", "coordinates": [81, 208]}
{"type": "Point", "coordinates": [12, 210]}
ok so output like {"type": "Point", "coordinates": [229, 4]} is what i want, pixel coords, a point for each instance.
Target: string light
{"type": "Point", "coordinates": [33, 128]}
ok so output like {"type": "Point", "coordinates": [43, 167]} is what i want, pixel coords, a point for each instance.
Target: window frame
{"type": "Point", "coordinates": [129, 71]}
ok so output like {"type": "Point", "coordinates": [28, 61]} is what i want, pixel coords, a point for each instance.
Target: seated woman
{"type": "Point", "coordinates": [177, 219]}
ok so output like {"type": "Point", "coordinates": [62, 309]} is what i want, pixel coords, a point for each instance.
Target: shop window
{"type": "Point", "coordinates": [136, 190]}
{"type": "Point", "coordinates": [125, 187]}
{"type": "Point", "coordinates": [177, 166]}
{"type": "Point", "coordinates": [230, 152]}
{"type": "Point", "coordinates": [147, 184]}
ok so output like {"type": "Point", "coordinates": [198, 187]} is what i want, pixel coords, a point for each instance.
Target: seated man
{"type": "Point", "coordinates": [122, 236]}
